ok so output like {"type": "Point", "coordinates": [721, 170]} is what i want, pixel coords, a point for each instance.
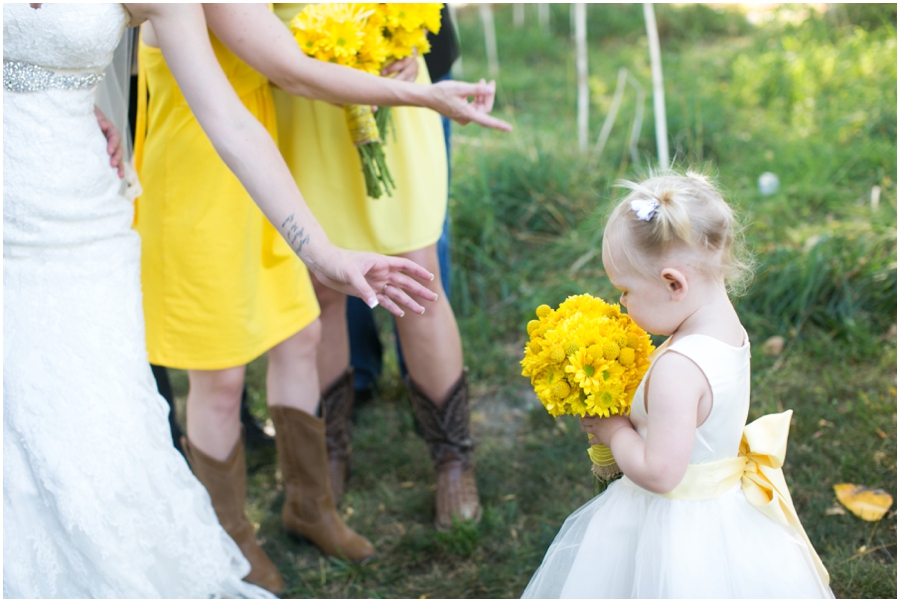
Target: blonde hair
{"type": "Point", "coordinates": [691, 213]}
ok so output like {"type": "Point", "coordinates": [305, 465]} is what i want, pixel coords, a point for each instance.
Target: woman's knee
{"type": "Point", "coordinates": [302, 344]}
{"type": "Point", "coordinates": [221, 389]}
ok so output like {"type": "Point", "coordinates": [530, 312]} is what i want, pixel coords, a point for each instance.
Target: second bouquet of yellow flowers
{"type": "Point", "coordinates": [586, 357]}
{"type": "Point", "coordinates": [367, 36]}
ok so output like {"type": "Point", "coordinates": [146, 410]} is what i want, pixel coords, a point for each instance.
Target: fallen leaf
{"type": "Point", "coordinates": [817, 434]}
{"type": "Point", "coordinates": [824, 422]}
{"type": "Point", "coordinates": [507, 498]}
{"type": "Point", "coordinates": [880, 457]}
{"type": "Point", "coordinates": [881, 433]}
{"type": "Point", "coordinates": [774, 346]}
{"type": "Point", "coordinates": [407, 484]}
{"type": "Point", "coordinates": [835, 510]}
{"type": "Point", "coordinates": [867, 503]}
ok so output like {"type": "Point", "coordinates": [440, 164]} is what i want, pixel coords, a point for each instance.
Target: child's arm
{"type": "Point", "coordinates": [674, 391]}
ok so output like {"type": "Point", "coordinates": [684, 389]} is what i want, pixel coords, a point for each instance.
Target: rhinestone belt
{"type": "Point", "coordinates": [26, 77]}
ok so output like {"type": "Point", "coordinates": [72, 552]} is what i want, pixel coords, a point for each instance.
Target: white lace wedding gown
{"type": "Point", "coordinates": [96, 501]}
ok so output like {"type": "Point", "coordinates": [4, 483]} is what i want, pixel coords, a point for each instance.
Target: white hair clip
{"type": "Point", "coordinates": [644, 209]}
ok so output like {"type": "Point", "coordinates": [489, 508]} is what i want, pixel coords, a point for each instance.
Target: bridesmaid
{"type": "Point", "coordinates": [221, 288]}
{"type": "Point", "coordinates": [315, 143]}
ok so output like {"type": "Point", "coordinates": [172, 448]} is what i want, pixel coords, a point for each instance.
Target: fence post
{"type": "Point", "coordinates": [458, 64]}
{"type": "Point", "coordinates": [543, 10]}
{"type": "Point", "coordinates": [581, 67]}
{"type": "Point", "coordinates": [659, 97]}
{"type": "Point", "coordinates": [490, 39]}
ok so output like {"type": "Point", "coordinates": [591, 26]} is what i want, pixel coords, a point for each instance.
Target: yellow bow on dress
{"type": "Point", "coordinates": [758, 468]}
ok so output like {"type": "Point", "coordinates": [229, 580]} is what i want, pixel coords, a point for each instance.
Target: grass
{"type": "Point", "coordinates": [812, 101]}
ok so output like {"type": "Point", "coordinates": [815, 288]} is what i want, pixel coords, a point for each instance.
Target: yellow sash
{"type": "Point", "coordinates": [758, 468]}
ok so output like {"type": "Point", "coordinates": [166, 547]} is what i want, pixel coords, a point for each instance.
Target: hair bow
{"type": "Point", "coordinates": [644, 209]}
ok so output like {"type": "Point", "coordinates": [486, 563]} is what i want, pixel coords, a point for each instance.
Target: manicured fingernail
{"type": "Point", "coordinates": [436, 296]}
{"type": "Point", "coordinates": [432, 277]}
{"type": "Point", "coordinates": [422, 312]}
{"type": "Point", "coordinates": [372, 302]}
{"type": "Point", "coordinates": [402, 313]}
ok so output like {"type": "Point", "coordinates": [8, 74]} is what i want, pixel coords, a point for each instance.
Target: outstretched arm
{"type": "Point", "coordinates": [260, 39]}
{"type": "Point", "coordinates": [674, 390]}
{"type": "Point", "coordinates": [249, 151]}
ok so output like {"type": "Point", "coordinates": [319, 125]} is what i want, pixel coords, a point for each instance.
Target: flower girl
{"type": "Point", "coordinates": [703, 510]}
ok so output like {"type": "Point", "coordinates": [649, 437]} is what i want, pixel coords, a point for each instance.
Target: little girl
{"type": "Point", "coordinates": [703, 510]}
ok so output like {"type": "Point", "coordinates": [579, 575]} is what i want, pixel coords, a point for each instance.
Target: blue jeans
{"type": "Point", "coordinates": [365, 347]}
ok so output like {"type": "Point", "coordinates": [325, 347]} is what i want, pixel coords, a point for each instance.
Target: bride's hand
{"type": "Point", "coordinates": [451, 98]}
{"type": "Point", "coordinates": [113, 142]}
{"type": "Point", "coordinates": [376, 279]}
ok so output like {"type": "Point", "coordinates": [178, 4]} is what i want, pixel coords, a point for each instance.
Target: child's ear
{"type": "Point", "coordinates": [676, 283]}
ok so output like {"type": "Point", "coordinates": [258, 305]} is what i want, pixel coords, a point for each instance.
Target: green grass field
{"type": "Point", "coordinates": [813, 101]}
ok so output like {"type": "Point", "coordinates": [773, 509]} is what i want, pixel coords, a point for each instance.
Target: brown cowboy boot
{"type": "Point", "coordinates": [446, 431]}
{"type": "Point", "coordinates": [226, 483]}
{"type": "Point", "coordinates": [337, 405]}
{"type": "Point", "coordinates": [309, 509]}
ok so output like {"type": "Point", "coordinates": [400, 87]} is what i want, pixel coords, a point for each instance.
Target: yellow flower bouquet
{"type": "Point", "coordinates": [586, 357]}
{"type": "Point", "coordinates": [367, 36]}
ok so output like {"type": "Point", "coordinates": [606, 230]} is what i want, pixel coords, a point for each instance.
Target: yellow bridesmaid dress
{"type": "Point", "coordinates": [220, 285]}
{"type": "Point", "coordinates": [316, 145]}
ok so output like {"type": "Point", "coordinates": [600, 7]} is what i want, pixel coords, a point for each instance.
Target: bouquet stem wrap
{"type": "Point", "coordinates": [364, 132]}
{"type": "Point", "coordinates": [605, 467]}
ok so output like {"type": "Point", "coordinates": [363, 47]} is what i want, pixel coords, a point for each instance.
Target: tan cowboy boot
{"type": "Point", "coordinates": [446, 431]}
{"type": "Point", "coordinates": [226, 483]}
{"type": "Point", "coordinates": [309, 509]}
{"type": "Point", "coordinates": [337, 405]}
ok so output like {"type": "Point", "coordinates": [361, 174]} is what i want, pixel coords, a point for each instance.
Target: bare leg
{"type": "Point", "coordinates": [334, 348]}
{"type": "Point", "coordinates": [213, 410]}
{"type": "Point", "coordinates": [292, 380]}
{"type": "Point", "coordinates": [431, 344]}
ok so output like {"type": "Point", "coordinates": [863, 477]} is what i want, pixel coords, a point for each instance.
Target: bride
{"type": "Point", "coordinates": [96, 501]}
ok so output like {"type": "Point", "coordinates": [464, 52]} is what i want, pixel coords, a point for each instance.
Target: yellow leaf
{"type": "Point", "coordinates": [867, 503]}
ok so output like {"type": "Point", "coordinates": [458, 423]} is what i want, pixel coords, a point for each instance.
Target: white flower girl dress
{"type": "Point", "coordinates": [705, 539]}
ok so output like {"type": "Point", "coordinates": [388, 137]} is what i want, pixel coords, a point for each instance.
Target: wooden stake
{"type": "Point", "coordinates": [490, 39]}
{"type": "Point", "coordinates": [581, 67]}
{"type": "Point", "coordinates": [458, 64]}
{"type": "Point", "coordinates": [659, 97]}
{"type": "Point", "coordinates": [543, 10]}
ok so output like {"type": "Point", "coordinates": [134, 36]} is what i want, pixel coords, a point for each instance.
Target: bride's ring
{"type": "Point", "coordinates": [384, 290]}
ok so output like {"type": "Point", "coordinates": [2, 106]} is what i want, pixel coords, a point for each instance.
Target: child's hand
{"type": "Point", "coordinates": [603, 428]}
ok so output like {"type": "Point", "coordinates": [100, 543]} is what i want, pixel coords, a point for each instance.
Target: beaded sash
{"type": "Point", "coordinates": [27, 77]}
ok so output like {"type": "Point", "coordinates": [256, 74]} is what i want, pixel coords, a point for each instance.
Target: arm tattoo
{"type": "Point", "coordinates": [295, 235]}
